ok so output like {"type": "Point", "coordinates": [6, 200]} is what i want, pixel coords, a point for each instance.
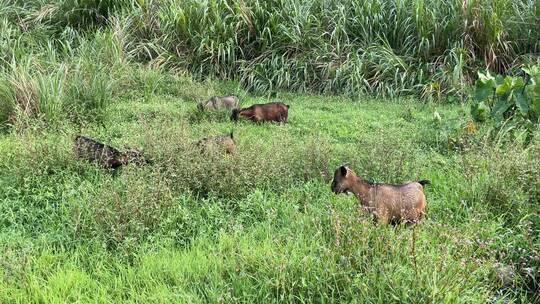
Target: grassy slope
{"type": "Point", "coordinates": [71, 232]}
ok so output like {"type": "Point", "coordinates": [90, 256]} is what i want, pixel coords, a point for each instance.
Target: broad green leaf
{"type": "Point", "coordinates": [498, 120]}
{"type": "Point", "coordinates": [535, 107]}
{"type": "Point", "coordinates": [509, 83]}
{"type": "Point", "coordinates": [533, 95]}
{"type": "Point", "coordinates": [518, 82]}
{"type": "Point", "coordinates": [532, 70]}
{"type": "Point", "coordinates": [534, 87]}
{"type": "Point", "coordinates": [500, 108]}
{"type": "Point", "coordinates": [521, 102]}
{"type": "Point", "coordinates": [481, 76]}
{"type": "Point", "coordinates": [485, 78]}
{"type": "Point", "coordinates": [498, 80]}
{"type": "Point", "coordinates": [482, 91]}
{"type": "Point", "coordinates": [503, 88]}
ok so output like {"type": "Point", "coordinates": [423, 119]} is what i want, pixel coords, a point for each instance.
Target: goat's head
{"type": "Point", "coordinates": [234, 115]}
{"type": "Point", "coordinates": [343, 180]}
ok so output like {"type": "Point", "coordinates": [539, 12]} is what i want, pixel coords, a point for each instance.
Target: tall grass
{"type": "Point", "coordinates": [383, 47]}
{"type": "Point", "coordinates": [423, 47]}
{"type": "Point", "coordinates": [62, 79]}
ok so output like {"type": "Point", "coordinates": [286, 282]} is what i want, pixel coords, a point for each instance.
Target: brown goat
{"type": "Point", "coordinates": [104, 155]}
{"type": "Point", "coordinates": [273, 111]}
{"type": "Point", "coordinates": [219, 102]}
{"type": "Point", "coordinates": [225, 142]}
{"type": "Point", "coordinates": [388, 203]}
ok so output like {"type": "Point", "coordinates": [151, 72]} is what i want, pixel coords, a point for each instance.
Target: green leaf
{"type": "Point", "coordinates": [482, 91]}
{"type": "Point", "coordinates": [533, 91]}
{"type": "Point", "coordinates": [509, 83]}
{"type": "Point", "coordinates": [535, 108]}
{"type": "Point", "coordinates": [500, 108]}
{"type": "Point", "coordinates": [482, 77]}
{"type": "Point", "coordinates": [518, 82]}
{"type": "Point", "coordinates": [534, 88]}
{"type": "Point", "coordinates": [521, 102]}
{"type": "Point", "coordinates": [532, 70]}
{"type": "Point", "coordinates": [480, 112]}
{"type": "Point", "coordinates": [503, 88]}
{"type": "Point", "coordinates": [485, 78]}
{"type": "Point", "coordinates": [498, 80]}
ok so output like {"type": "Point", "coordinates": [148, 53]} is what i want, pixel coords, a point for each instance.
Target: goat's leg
{"type": "Point", "coordinates": [255, 119]}
{"type": "Point", "coordinates": [284, 118]}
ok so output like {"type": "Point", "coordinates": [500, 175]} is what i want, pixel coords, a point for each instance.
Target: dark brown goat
{"type": "Point", "coordinates": [104, 155]}
{"type": "Point", "coordinates": [225, 142]}
{"type": "Point", "coordinates": [273, 111]}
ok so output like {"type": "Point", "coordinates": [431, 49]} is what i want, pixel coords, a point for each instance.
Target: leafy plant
{"type": "Point", "coordinates": [509, 101]}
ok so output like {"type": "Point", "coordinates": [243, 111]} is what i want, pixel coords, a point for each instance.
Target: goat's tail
{"type": "Point", "coordinates": [424, 182]}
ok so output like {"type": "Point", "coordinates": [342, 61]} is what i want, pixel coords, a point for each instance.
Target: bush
{"type": "Point", "coordinates": [123, 211]}
{"type": "Point", "coordinates": [509, 102]}
{"type": "Point", "coordinates": [280, 164]}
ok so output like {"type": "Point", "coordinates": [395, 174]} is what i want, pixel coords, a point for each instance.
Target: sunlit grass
{"type": "Point", "coordinates": [261, 225]}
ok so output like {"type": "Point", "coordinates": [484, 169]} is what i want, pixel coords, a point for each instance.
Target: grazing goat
{"type": "Point", "coordinates": [388, 203]}
{"type": "Point", "coordinates": [219, 102]}
{"type": "Point", "coordinates": [273, 111]}
{"type": "Point", "coordinates": [104, 155]}
{"type": "Point", "coordinates": [225, 142]}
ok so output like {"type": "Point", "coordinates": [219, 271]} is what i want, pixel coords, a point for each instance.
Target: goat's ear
{"type": "Point", "coordinates": [343, 170]}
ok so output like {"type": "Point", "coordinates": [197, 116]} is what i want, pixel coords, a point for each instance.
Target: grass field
{"type": "Point", "coordinates": [383, 86]}
{"type": "Point", "coordinates": [263, 225]}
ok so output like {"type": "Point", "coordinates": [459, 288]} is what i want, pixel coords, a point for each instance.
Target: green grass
{"type": "Point", "coordinates": [425, 48]}
{"type": "Point", "coordinates": [263, 226]}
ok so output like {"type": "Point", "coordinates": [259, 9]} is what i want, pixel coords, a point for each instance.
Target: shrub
{"type": "Point", "coordinates": [275, 167]}
{"type": "Point", "coordinates": [510, 101]}
{"type": "Point", "coordinates": [123, 211]}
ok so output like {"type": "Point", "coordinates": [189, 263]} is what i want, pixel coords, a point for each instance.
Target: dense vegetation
{"type": "Point", "coordinates": [423, 47]}
{"type": "Point", "coordinates": [510, 101]}
{"type": "Point", "coordinates": [262, 225]}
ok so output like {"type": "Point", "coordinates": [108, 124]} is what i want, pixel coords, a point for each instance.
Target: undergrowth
{"type": "Point", "coordinates": [262, 225]}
